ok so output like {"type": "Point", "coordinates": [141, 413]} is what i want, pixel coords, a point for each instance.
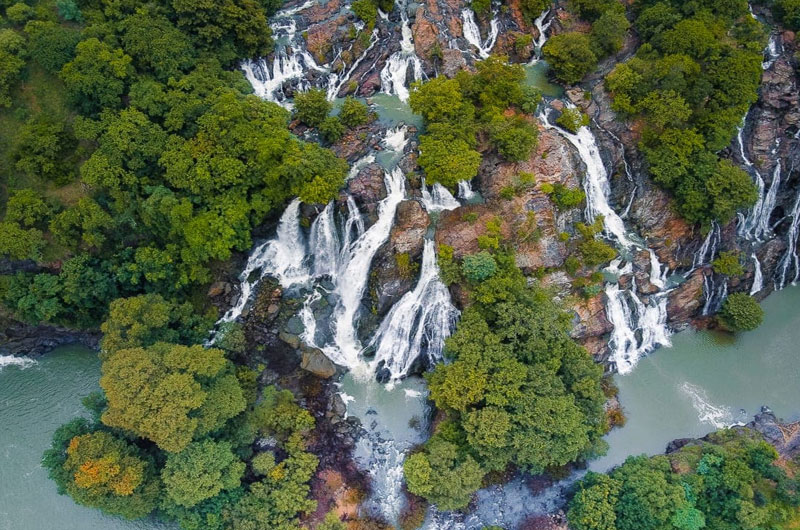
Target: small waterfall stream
{"type": "Point", "coordinates": [639, 327]}
{"type": "Point", "coordinates": [472, 32]}
{"type": "Point", "coordinates": [394, 76]}
{"type": "Point", "coordinates": [540, 41]}
{"type": "Point", "coordinates": [758, 277]}
{"type": "Point", "coordinates": [438, 198]}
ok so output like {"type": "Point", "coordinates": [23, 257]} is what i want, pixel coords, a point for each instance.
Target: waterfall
{"type": "Point", "coordinates": [418, 323]}
{"type": "Point", "coordinates": [352, 280]}
{"type": "Point", "coordinates": [396, 139]}
{"type": "Point", "coordinates": [324, 243]}
{"type": "Point", "coordinates": [465, 192]}
{"type": "Point", "coordinates": [772, 52]}
{"type": "Point", "coordinates": [335, 83]}
{"type": "Point", "coordinates": [595, 182]}
{"type": "Point", "coordinates": [284, 257]}
{"type": "Point", "coordinates": [714, 295]}
{"type": "Point", "coordinates": [638, 327]}
{"type": "Point", "coordinates": [705, 254]}
{"type": "Point", "coordinates": [473, 33]}
{"type": "Point", "coordinates": [758, 280]}
{"type": "Point", "coordinates": [753, 225]}
{"type": "Point", "coordinates": [790, 258]}
{"type": "Point", "coordinates": [438, 198]}
{"type": "Point", "coordinates": [542, 27]}
{"type": "Point", "coordinates": [395, 72]}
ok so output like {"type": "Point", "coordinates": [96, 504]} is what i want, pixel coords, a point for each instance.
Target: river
{"type": "Point", "coordinates": [704, 381]}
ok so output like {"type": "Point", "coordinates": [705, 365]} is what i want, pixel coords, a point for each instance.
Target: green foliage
{"type": "Point", "coordinates": [353, 112]}
{"type": "Point", "coordinates": [19, 13]}
{"type": "Point", "coordinates": [572, 119]}
{"type": "Point", "coordinates": [27, 208]}
{"type": "Point", "coordinates": [478, 267]}
{"type": "Point", "coordinates": [440, 475]}
{"type": "Point", "coordinates": [312, 107]}
{"type": "Point", "coordinates": [19, 243]}
{"type": "Point", "coordinates": [12, 60]}
{"type": "Point", "coordinates": [690, 82]}
{"type": "Point", "coordinates": [518, 391]}
{"type": "Point", "coordinates": [447, 160]}
{"type": "Point", "coordinates": [514, 137]}
{"type": "Point", "coordinates": [69, 10]}
{"type": "Point", "coordinates": [102, 471]}
{"type": "Point", "coordinates": [741, 312]}
{"type": "Point", "coordinates": [170, 393]}
{"type": "Point", "coordinates": [96, 78]}
{"type": "Point", "coordinates": [42, 148]}
{"type": "Point", "coordinates": [332, 129]}
{"type": "Point", "coordinates": [608, 32]}
{"type": "Point", "coordinates": [728, 481]}
{"type": "Point", "coordinates": [596, 252]}
{"type": "Point", "coordinates": [366, 10]}
{"type": "Point", "coordinates": [565, 198]}
{"type": "Point", "coordinates": [201, 471]}
{"type": "Point", "coordinates": [728, 263]}
{"type": "Point", "coordinates": [51, 45]}
{"type": "Point", "coordinates": [789, 13]}
{"type": "Point", "coordinates": [571, 56]}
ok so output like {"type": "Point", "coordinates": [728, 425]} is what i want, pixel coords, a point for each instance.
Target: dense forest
{"type": "Point", "coordinates": [136, 163]}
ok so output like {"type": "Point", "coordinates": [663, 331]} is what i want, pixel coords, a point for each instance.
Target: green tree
{"type": "Point", "coordinates": [19, 243]}
{"type": "Point", "coordinates": [570, 55]}
{"type": "Point", "coordinates": [608, 32]}
{"type": "Point", "coordinates": [741, 312]}
{"type": "Point", "coordinates": [170, 393]}
{"type": "Point", "coordinates": [332, 129]}
{"type": "Point", "coordinates": [41, 149]}
{"type": "Point", "coordinates": [593, 506]}
{"type": "Point", "coordinates": [353, 112]}
{"type": "Point", "coordinates": [201, 471]}
{"type": "Point", "coordinates": [96, 78]}
{"type": "Point", "coordinates": [728, 263]}
{"type": "Point", "coordinates": [441, 476]}
{"type": "Point", "coordinates": [572, 119]}
{"type": "Point", "coordinates": [27, 208]}
{"type": "Point", "coordinates": [51, 45]}
{"type": "Point", "coordinates": [478, 267]}
{"type": "Point", "coordinates": [514, 137]}
{"type": "Point", "coordinates": [447, 160]}
{"type": "Point", "coordinates": [12, 60]}
{"type": "Point", "coordinates": [86, 222]}
{"type": "Point", "coordinates": [789, 13]}
{"type": "Point", "coordinates": [99, 470]}
{"type": "Point", "coordinates": [312, 107]}
{"type": "Point", "coordinates": [156, 45]}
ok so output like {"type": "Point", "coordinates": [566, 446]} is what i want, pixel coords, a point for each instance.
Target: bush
{"type": "Point", "coordinates": [566, 198]}
{"type": "Point", "coordinates": [479, 267]}
{"type": "Point", "coordinates": [570, 55]}
{"type": "Point", "coordinates": [312, 107]}
{"type": "Point", "coordinates": [608, 32]}
{"type": "Point", "coordinates": [19, 13]}
{"type": "Point", "coordinates": [353, 112]}
{"type": "Point", "coordinates": [513, 137]}
{"type": "Point", "coordinates": [596, 252]}
{"type": "Point", "coordinates": [572, 119]}
{"type": "Point", "coordinates": [789, 13]}
{"type": "Point", "coordinates": [331, 129]}
{"type": "Point", "coordinates": [728, 263]}
{"type": "Point", "coordinates": [741, 312]}
{"type": "Point", "coordinates": [366, 11]}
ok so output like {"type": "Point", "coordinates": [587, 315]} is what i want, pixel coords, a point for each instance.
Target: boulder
{"type": "Point", "coordinates": [408, 233]}
{"type": "Point", "coordinates": [425, 33]}
{"type": "Point", "coordinates": [452, 62]}
{"type": "Point", "coordinates": [368, 187]}
{"type": "Point", "coordinates": [317, 363]}
{"type": "Point", "coordinates": [684, 301]}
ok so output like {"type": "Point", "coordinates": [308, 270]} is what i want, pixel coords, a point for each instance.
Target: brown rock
{"type": "Point", "coordinates": [452, 62]}
{"type": "Point", "coordinates": [367, 187]}
{"type": "Point", "coordinates": [408, 232]}
{"type": "Point", "coordinates": [684, 301]}
{"type": "Point", "coordinates": [218, 288]}
{"type": "Point", "coordinates": [425, 33]}
{"type": "Point", "coordinates": [591, 318]}
{"type": "Point", "coordinates": [370, 85]}
{"type": "Point", "coordinates": [317, 363]}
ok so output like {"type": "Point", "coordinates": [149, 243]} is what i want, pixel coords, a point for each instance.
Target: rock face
{"type": "Point", "coordinates": [20, 339]}
{"type": "Point", "coordinates": [685, 301]}
{"type": "Point", "coordinates": [317, 363]}
{"type": "Point", "coordinates": [368, 187]}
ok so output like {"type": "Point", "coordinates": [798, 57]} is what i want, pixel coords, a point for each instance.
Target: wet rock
{"type": "Point", "coordinates": [684, 301]}
{"type": "Point", "coordinates": [218, 288]}
{"type": "Point", "coordinates": [290, 339]}
{"type": "Point", "coordinates": [370, 85]}
{"type": "Point", "coordinates": [383, 375]}
{"type": "Point", "coordinates": [452, 62]}
{"type": "Point", "coordinates": [590, 319]}
{"type": "Point", "coordinates": [17, 338]}
{"type": "Point", "coordinates": [295, 326]}
{"type": "Point", "coordinates": [425, 33]}
{"type": "Point", "coordinates": [315, 361]}
{"type": "Point", "coordinates": [408, 233]}
{"type": "Point", "coordinates": [368, 187]}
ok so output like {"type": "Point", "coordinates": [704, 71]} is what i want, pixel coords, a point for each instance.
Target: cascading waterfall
{"type": "Point", "coordinates": [438, 198]}
{"type": "Point", "coordinates": [465, 191]}
{"type": "Point", "coordinates": [285, 257]}
{"type": "Point", "coordinates": [473, 33]}
{"type": "Point", "coordinates": [418, 323]}
{"type": "Point", "coordinates": [705, 254]}
{"type": "Point", "coordinates": [335, 82]}
{"type": "Point", "coordinates": [772, 52]}
{"type": "Point", "coordinates": [714, 294]}
{"type": "Point", "coordinates": [352, 279]}
{"type": "Point", "coordinates": [758, 277]}
{"type": "Point", "coordinates": [638, 327]}
{"type": "Point", "coordinates": [540, 41]}
{"type": "Point", "coordinates": [394, 75]}
{"type": "Point", "coordinates": [790, 259]}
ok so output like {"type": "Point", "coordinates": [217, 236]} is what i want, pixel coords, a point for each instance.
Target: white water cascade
{"type": "Point", "coordinates": [284, 257]}
{"type": "Point", "coordinates": [472, 33]}
{"type": "Point", "coordinates": [418, 323]}
{"type": "Point", "coordinates": [790, 259]}
{"type": "Point", "coordinates": [465, 191]}
{"type": "Point", "coordinates": [705, 254]}
{"type": "Point", "coordinates": [394, 75]}
{"type": "Point", "coordinates": [638, 327]}
{"type": "Point", "coordinates": [15, 360]}
{"type": "Point", "coordinates": [540, 41]}
{"type": "Point", "coordinates": [758, 277]}
{"type": "Point", "coordinates": [437, 198]}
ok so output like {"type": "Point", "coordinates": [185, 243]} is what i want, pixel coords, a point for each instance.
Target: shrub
{"type": "Point", "coordinates": [567, 198]}
{"type": "Point", "coordinates": [366, 11]}
{"type": "Point", "coordinates": [19, 13]}
{"type": "Point", "coordinates": [353, 113]}
{"type": "Point", "coordinates": [572, 119]}
{"type": "Point", "coordinates": [596, 252]}
{"type": "Point", "coordinates": [513, 137]}
{"type": "Point", "coordinates": [789, 13]}
{"type": "Point", "coordinates": [728, 263]}
{"type": "Point", "coordinates": [570, 55]}
{"type": "Point", "coordinates": [741, 312]}
{"type": "Point", "coordinates": [332, 129]}
{"type": "Point", "coordinates": [479, 267]}
{"type": "Point", "coordinates": [312, 107]}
